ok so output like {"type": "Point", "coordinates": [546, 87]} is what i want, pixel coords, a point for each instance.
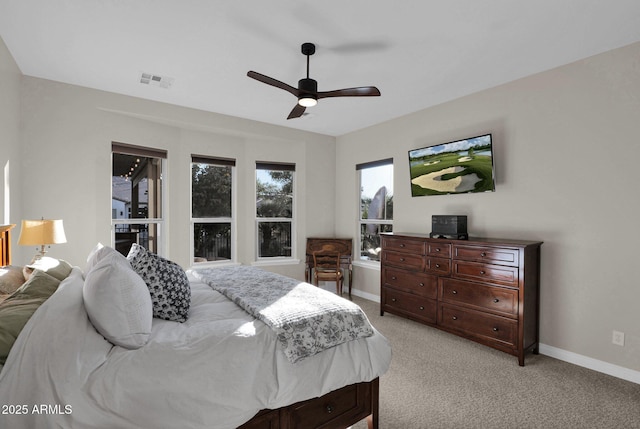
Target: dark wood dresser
{"type": "Point", "coordinates": [483, 289]}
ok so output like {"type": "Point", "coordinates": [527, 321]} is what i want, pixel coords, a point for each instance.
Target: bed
{"type": "Point", "coordinates": [221, 367]}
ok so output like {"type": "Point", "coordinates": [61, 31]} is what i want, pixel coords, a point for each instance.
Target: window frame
{"type": "Point", "coordinates": [274, 260]}
{"type": "Point", "coordinates": [220, 161]}
{"type": "Point", "coordinates": [159, 222]}
{"type": "Point", "coordinates": [358, 259]}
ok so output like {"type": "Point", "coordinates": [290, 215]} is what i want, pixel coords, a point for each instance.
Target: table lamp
{"type": "Point", "coordinates": [41, 233]}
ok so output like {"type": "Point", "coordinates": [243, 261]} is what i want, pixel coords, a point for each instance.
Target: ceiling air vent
{"type": "Point", "coordinates": [156, 80]}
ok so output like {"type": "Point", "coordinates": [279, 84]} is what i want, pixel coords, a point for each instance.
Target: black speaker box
{"type": "Point", "coordinates": [449, 226]}
{"type": "Point", "coordinates": [449, 236]}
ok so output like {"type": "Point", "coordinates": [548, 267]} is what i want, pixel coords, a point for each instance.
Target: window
{"type": "Point", "coordinates": [137, 197]}
{"type": "Point", "coordinates": [376, 206]}
{"type": "Point", "coordinates": [212, 201]}
{"type": "Point", "coordinates": [274, 209]}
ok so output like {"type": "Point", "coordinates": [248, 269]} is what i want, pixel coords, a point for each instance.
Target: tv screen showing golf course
{"type": "Point", "coordinates": [457, 167]}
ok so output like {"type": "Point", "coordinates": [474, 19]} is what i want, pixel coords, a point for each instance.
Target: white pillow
{"type": "Point", "coordinates": [118, 301]}
{"type": "Point", "coordinates": [94, 256]}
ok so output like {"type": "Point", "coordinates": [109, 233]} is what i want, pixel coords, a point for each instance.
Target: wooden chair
{"type": "Point", "coordinates": [343, 246]}
{"type": "Point", "coordinates": [326, 268]}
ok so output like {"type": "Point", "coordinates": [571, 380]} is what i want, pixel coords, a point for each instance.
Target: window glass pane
{"type": "Point", "coordinates": [136, 193]}
{"type": "Point", "coordinates": [274, 239]}
{"type": "Point", "coordinates": [136, 187]}
{"type": "Point", "coordinates": [210, 191]}
{"type": "Point", "coordinates": [376, 192]}
{"type": "Point", "coordinates": [370, 239]}
{"type": "Point", "coordinates": [141, 233]}
{"type": "Point", "coordinates": [376, 208]}
{"type": "Point", "coordinates": [274, 193]}
{"type": "Point", "coordinates": [211, 241]}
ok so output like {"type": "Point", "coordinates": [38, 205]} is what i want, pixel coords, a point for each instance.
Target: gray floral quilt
{"type": "Point", "coordinates": [306, 319]}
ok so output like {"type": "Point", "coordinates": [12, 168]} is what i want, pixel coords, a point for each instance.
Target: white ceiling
{"type": "Point", "coordinates": [419, 53]}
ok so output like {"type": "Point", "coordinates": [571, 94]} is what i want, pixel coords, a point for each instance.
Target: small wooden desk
{"type": "Point", "coordinates": [344, 246]}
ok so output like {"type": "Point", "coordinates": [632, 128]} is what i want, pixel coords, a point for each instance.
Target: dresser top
{"type": "Point", "coordinates": [471, 240]}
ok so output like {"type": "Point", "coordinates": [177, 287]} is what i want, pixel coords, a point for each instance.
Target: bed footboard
{"type": "Point", "coordinates": [340, 408]}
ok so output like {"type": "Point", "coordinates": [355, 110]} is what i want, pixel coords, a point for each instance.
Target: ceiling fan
{"type": "Point", "coordinates": [307, 90]}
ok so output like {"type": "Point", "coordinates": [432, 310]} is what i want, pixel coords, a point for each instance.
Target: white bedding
{"type": "Point", "coordinates": [216, 370]}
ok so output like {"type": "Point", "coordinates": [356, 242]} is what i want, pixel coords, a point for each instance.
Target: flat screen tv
{"type": "Point", "coordinates": [458, 167]}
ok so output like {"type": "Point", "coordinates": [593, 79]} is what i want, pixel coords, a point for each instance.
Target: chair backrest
{"type": "Point", "coordinates": [326, 260]}
{"type": "Point", "coordinates": [330, 245]}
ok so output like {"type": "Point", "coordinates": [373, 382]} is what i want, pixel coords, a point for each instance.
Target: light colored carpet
{"type": "Point", "coordinates": [438, 380]}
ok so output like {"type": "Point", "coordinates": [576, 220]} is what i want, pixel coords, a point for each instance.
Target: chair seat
{"type": "Point", "coordinates": [328, 275]}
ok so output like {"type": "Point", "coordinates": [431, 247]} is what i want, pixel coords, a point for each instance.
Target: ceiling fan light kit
{"type": "Point", "coordinates": [307, 90]}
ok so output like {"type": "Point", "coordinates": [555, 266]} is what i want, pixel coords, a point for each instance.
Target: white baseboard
{"type": "Point", "coordinates": [366, 295]}
{"type": "Point", "coordinates": [563, 355]}
{"type": "Point", "coordinates": [590, 363]}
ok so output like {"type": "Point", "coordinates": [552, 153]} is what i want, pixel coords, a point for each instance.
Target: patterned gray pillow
{"type": "Point", "coordinates": [167, 282]}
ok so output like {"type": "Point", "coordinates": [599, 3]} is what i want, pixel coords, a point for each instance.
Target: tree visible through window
{"type": "Point", "coordinates": [376, 206]}
{"type": "Point", "coordinates": [211, 208]}
{"type": "Point", "coordinates": [274, 209]}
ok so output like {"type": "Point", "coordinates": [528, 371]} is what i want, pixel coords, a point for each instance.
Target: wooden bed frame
{"type": "Point", "coordinates": [340, 408]}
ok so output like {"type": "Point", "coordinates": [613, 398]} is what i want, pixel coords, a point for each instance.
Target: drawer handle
{"type": "Point", "coordinates": [394, 278]}
{"type": "Point", "coordinates": [455, 317]}
{"type": "Point", "coordinates": [401, 259]}
{"type": "Point", "coordinates": [393, 300]}
{"type": "Point", "coordinates": [437, 249]}
{"type": "Point", "coordinates": [401, 244]}
{"type": "Point", "coordinates": [495, 329]}
{"type": "Point", "coordinates": [421, 307]}
{"type": "Point", "coordinates": [421, 284]}
{"type": "Point", "coordinates": [483, 254]}
{"type": "Point", "coordinates": [455, 292]}
{"type": "Point", "coordinates": [437, 265]}
{"type": "Point", "coordinates": [483, 272]}
{"type": "Point", "coordinates": [329, 409]}
{"type": "Point", "coordinates": [496, 300]}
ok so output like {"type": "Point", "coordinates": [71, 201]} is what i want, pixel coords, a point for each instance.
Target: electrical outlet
{"type": "Point", "coordinates": [618, 338]}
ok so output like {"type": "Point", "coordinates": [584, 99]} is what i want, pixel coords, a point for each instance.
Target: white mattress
{"type": "Point", "coordinates": [216, 370]}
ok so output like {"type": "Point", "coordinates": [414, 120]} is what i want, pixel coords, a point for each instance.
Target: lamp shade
{"type": "Point", "coordinates": [40, 232]}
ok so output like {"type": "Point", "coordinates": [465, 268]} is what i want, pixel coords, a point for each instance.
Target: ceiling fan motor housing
{"type": "Point", "coordinates": [308, 86]}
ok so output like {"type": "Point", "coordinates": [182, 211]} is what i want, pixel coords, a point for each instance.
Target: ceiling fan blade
{"type": "Point", "coordinates": [296, 112]}
{"type": "Point", "coordinates": [273, 82]}
{"type": "Point", "coordinates": [362, 91]}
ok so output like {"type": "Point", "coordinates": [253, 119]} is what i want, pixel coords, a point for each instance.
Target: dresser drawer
{"type": "Point", "coordinates": [507, 276]}
{"type": "Point", "coordinates": [400, 244]}
{"type": "Point", "coordinates": [480, 325]}
{"type": "Point", "coordinates": [442, 250]}
{"type": "Point", "coordinates": [333, 410]}
{"type": "Point", "coordinates": [412, 305]}
{"type": "Point", "coordinates": [403, 260]}
{"type": "Point", "coordinates": [485, 298]}
{"type": "Point", "coordinates": [420, 284]}
{"type": "Point", "coordinates": [491, 255]}
{"type": "Point", "coordinates": [438, 265]}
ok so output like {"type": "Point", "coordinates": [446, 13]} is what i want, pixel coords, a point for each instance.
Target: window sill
{"type": "Point", "coordinates": [372, 265]}
{"type": "Point", "coordinates": [276, 261]}
{"type": "Point", "coordinates": [212, 264]}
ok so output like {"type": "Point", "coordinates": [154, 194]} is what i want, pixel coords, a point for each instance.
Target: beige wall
{"type": "Point", "coordinates": [567, 155]}
{"type": "Point", "coordinates": [9, 138]}
{"type": "Point", "coordinates": [66, 149]}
